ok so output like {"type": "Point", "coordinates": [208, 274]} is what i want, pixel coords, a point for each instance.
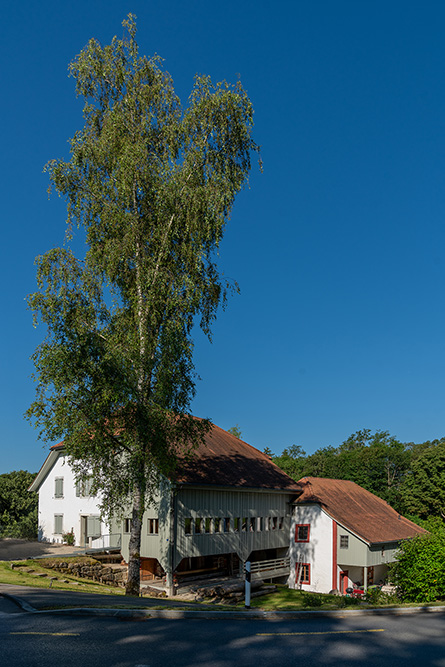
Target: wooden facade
{"type": "Point", "coordinates": [192, 523]}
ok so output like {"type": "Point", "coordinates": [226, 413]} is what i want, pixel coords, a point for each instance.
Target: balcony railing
{"type": "Point", "coordinates": [267, 569]}
{"type": "Point", "coordinates": [111, 542]}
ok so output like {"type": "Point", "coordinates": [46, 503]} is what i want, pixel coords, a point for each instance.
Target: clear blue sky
{"type": "Point", "coordinates": [338, 246]}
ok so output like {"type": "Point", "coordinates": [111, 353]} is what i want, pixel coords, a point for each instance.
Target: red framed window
{"type": "Point", "coordinates": [302, 532]}
{"type": "Point", "coordinates": [302, 573]}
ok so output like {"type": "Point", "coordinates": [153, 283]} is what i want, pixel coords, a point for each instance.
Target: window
{"type": "Point", "coordinates": [208, 525]}
{"type": "Point", "coordinates": [217, 523]}
{"type": "Point", "coordinates": [281, 523]}
{"type": "Point", "coordinates": [252, 524]}
{"type": "Point", "coordinates": [244, 524]}
{"type": "Point", "coordinates": [227, 524]}
{"type": "Point", "coordinates": [302, 531]}
{"type": "Point", "coordinates": [302, 573]}
{"type": "Point", "coordinates": [344, 541]}
{"type": "Point", "coordinates": [236, 524]}
{"type": "Point", "coordinates": [274, 523]}
{"type": "Point", "coordinates": [153, 526]}
{"type": "Point", "coordinates": [83, 487]}
{"type": "Point", "coordinates": [58, 524]}
{"type": "Point", "coordinates": [58, 488]}
{"type": "Point", "coordinates": [198, 526]}
{"type": "Point", "coordinates": [188, 526]}
{"type": "Point", "coordinates": [127, 525]}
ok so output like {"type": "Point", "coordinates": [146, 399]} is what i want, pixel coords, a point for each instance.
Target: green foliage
{"type": "Point", "coordinates": [292, 461]}
{"type": "Point", "coordinates": [312, 599]}
{"type": "Point", "coordinates": [235, 430]}
{"type": "Point", "coordinates": [410, 477]}
{"type": "Point", "coordinates": [419, 571]}
{"type": "Point", "coordinates": [152, 187]}
{"type": "Point", "coordinates": [423, 490]}
{"type": "Point", "coordinates": [345, 601]}
{"type": "Point", "coordinates": [374, 596]}
{"type": "Point", "coordinates": [18, 507]}
{"type": "Point", "coordinates": [376, 461]}
{"type": "Point", "coordinates": [68, 538]}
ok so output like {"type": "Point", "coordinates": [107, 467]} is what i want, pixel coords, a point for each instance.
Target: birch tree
{"type": "Point", "coordinates": [150, 186]}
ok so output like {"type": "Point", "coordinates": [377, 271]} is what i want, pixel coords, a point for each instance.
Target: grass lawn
{"type": "Point", "coordinates": [287, 599]}
{"type": "Point", "coordinates": [20, 577]}
{"type": "Point", "coordinates": [283, 599]}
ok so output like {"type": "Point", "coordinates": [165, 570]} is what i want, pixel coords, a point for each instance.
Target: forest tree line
{"type": "Point", "coordinates": [18, 506]}
{"type": "Point", "coordinates": [409, 476]}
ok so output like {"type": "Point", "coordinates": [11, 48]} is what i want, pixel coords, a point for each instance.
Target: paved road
{"type": "Point", "coordinates": [43, 598]}
{"type": "Point", "coordinates": [37, 640]}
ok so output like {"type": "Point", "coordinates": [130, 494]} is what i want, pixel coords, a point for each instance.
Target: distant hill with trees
{"type": "Point", "coordinates": [409, 476]}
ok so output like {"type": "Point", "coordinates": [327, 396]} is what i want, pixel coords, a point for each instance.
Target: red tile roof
{"type": "Point", "coordinates": [225, 460]}
{"type": "Point", "coordinates": [358, 510]}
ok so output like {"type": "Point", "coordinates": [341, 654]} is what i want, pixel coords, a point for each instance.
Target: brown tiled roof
{"type": "Point", "coordinates": [366, 515]}
{"type": "Point", "coordinates": [225, 460]}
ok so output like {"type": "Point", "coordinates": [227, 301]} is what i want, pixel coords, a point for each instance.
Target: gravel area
{"type": "Point", "coordinates": [15, 549]}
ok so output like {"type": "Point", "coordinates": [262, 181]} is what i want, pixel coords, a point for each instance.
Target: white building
{"type": "Point", "coordinates": [343, 536]}
{"type": "Point", "coordinates": [228, 503]}
{"type": "Point", "coordinates": [65, 506]}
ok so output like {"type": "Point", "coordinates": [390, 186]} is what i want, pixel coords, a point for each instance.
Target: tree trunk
{"type": "Point", "coordinates": [134, 562]}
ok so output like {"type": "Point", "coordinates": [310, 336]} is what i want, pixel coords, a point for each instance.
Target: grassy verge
{"type": "Point", "coordinates": [287, 599]}
{"type": "Point", "coordinates": [21, 576]}
{"type": "Point", "coordinates": [283, 599]}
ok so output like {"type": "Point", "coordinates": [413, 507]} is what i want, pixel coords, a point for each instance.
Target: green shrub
{"type": "Point", "coordinates": [312, 599]}
{"type": "Point", "coordinates": [419, 571]}
{"type": "Point", "coordinates": [374, 596]}
{"type": "Point", "coordinates": [68, 538]}
{"type": "Point", "coordinates": [350, 601]}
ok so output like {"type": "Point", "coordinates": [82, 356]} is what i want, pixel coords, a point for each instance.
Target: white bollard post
{"type": "Point", "coordinates": [247, 586]}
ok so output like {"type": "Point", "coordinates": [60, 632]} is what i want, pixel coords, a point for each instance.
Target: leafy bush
{"type": "Point", "coordinates": [312, 599]}
{"type": "Point", "coordinates": [374, 596]}
{"type": "Point", "coordinates": [68, 538]}
{"type": "Point", "coordinates": [419, 571]}
{"type": "Point", "coordinates": [349, 601]}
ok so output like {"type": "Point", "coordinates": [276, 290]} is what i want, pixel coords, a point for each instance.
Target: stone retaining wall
{"type": "Point", "coordinates": [112, 576]}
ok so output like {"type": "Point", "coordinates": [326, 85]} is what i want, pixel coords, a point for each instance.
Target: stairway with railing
{"type": "Point", "coordinates": [107, 543]}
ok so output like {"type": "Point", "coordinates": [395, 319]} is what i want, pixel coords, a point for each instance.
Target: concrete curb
{"type": "Point", "coordinates": [173, 614]}
{"type": "Point", "coordinates": [20, 603]}
{"type": "Point", "coordinates": [210, 614]}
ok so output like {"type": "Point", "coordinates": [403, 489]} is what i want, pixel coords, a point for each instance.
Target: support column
{"type": "Point", "coordinates": [365, 578]}
{"type": "Point", "coordinates": [169, 583]}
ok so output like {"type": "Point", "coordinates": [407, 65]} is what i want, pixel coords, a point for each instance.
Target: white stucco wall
{"type": "Point", "coordinates": [317, 552]}
{"type": "Point", "coordinates": [70, 506]}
